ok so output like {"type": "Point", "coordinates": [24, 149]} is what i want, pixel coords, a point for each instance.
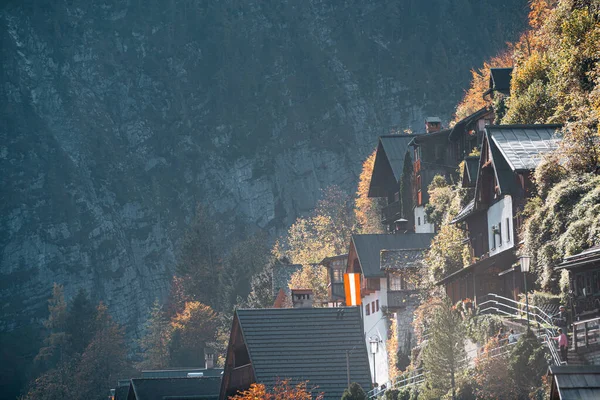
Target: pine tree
{"type": "Point", "coordinates": [444, 354]}
{"type": "Point", "coordinates": [354, 392]}
{"type": "Point", "coordinates": [103, 360]}
{"type": "Point", "coordinates": [155, 344]}
{"type": "Point", "coordinates": [56, 344]}
{"type": "Point", "coordinates": [80, 322]}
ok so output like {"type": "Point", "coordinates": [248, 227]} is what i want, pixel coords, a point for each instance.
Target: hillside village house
{"type": "Point", "coordinates": [322, 345]}
{"type": "Point", "coordinates": [336, 267]}
{"type": "Point", "coordinates": [509, 154]}
{"type": "Point", "coordinates": [384, 290]}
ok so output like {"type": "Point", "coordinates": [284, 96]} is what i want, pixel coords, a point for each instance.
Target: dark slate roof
{"type": "Point", "coordinates": [307, 344]}
{"type": "Point", "coordinates": [575, 382]}
{"type": "Point", "coordinates": [121, 392]}
{"type": "Point", "coordinates": [398, 259]}
{"type": "Point", "coordinates": [522, 146]}
{"type": "Point", "coordinates": [464, 213]}
{"type": "Point", "coordinates": [395, 147]}
{"type": "Point", "coordinates": [419, 139]}
{"type": "Point", "coordinates": [368, 248]}
{"type": "Point", "coordinates": [176, 388]}
{"type": "Point", "coordinates": [500, 80]}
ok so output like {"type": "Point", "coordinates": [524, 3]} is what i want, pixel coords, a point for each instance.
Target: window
{"type": "Point", "coordinates": [424, 219]}
{"type": "Point", "coordinates": [377, 305]}
{"type": "Point", "coordinates": [507, 230]}
{"type": "Point", "coordinates": [493, 237]}
{"type": "Point", "coordinates": [338, 275]}
{"type": "Point", "coordinates": [398, 282]}
{"type": "Point", "coordinates": [367, 309]}
{"type": "Point", "coordinates": [373, 307]}
{"type": "Point", "coordinates": [500, 234]}
{"type": "Point", "coordinates": [419, 221]}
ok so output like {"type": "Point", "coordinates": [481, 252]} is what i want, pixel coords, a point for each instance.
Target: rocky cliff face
{"type": "Point", "coordinates": [118, 117]}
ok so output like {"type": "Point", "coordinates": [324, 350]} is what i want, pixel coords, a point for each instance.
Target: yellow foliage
{"type": "Point", "coordinates": [366, 209]}
{"type": "Point", "coordinates": [283, 390]}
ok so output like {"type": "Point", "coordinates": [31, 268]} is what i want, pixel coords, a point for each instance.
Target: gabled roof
{"type": "Point", "coordinates": [306, 344]}
{"type": "Point", "coordinates": [471, 168]}
{"type": "Point", "coordinates": [368, 248]}
{"type": "Point", "coordinates": [523, 146]}
{"type": "Point", "coordinates": [465, 212]}
{"type": "Point", "coordinates": [500, 80]}
{"type": "Point", "coordinates": [587, 257]}
{"type": "Point", "coordinates": [575, 382]}
{"type": "Point", "coordinates": [439, 135]}
{"type": "Point", "coordinates": [175, 388]}
{"type": "Point", "coordinates": [459, 127]}
{"type": "Point", "coordinates": [389, 162]}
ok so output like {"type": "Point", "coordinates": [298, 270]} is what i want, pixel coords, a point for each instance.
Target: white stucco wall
{"type": "Point", "coordinates": [423, 227]}
{"type": "Point", "coordinates": [500, 214]}
{"type": "Point", "coordinates": [375, 325]}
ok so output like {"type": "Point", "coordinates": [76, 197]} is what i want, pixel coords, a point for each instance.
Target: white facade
{"type": "Point", "coordinates": [421, 223]}
{"type": "Point", "coordinates": [376, 326]}
{"type": "Point", "coordinates": [500, 226]}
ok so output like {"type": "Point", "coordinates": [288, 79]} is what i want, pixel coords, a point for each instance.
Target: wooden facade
{"type": "Point", "coordinates": [584, 279]}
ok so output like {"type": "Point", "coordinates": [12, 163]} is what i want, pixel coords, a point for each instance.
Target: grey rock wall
{"type": "Point", "coordinates": [118, 117]}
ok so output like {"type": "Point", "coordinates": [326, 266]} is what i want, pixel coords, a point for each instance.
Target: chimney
{"type": "Point", "coordinates": [209, 359]}
{"type": "Point", "coordinates": [433, 124]}
{"type": "Point", "coordinates": [302, 298]}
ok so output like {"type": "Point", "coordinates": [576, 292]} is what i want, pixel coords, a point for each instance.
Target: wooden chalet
{"type": "Point", "coordinates": [509, 154]}
{"type": "Point", "coordinates": [383, 262]}
{"type": "Point", "coordinates": [322, 345]}
{"type": "Point", "coordinates": [584, 279]}
{"type": "Point", "coordinates": [336, 266]}
{"type": "Point", "coordinates": [387, 175]}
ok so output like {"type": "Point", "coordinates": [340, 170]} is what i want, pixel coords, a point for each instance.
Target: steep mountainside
{"type": "Point", "coordinates": [118, 117]}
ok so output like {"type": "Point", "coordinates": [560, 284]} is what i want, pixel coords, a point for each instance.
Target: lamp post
{"type": "Point", "coordinates": [374, 341]}
{"type": "Point", "coordinates": [525, 262]}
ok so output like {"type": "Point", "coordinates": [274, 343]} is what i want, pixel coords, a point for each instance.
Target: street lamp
{"type": "Point", "coordinates": [525, 262]}
{"type": "Point", "coordinates": [374, 341]}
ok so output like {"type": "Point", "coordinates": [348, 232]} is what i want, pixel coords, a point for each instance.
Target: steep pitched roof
{"type": "Point", "coordinates": [439, 135]}
{"type": "Point", "coordinates": [522, 146]}
{"type": "Point", "coordinates": [470, 170]}
{"type": "Point", "coordinates": [460, 126]}
{"type": "Point", "coordinates": [500, 80]}
{"type": "Point", "coordinates": [306, 344]}
{"type": "Point", "coordinates": [174, 388]}
{"type": "Point", "coordinates": [389, 160]}
{"type": "Point", "coordinates": [464, 213]}
{"type": "Point", "coordinates": [368, 248]}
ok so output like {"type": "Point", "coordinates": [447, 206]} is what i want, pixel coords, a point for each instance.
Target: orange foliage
{"type": "Point", "coordinates": [283, 390]}
{"type": "Point", "coordinates": [473, 99]}
{"type": "Point", "coordinates": [366, 209]}
{"type": "Point", "coordinates": [492, 372]}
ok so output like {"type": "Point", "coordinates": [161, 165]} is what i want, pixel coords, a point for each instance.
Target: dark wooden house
{"type": "Point", "coordinates": [336, 266]}
{"type": "Point", "coordinates": [387, 175]}
{"type": "Point", "coordinates": [322, 345]}
{"type": "Point", "coordinates": [509, 154]}
{"type": "Point", "coordinates": [584, 278]}
{"type": "Point", "coordinates": [499, 82]}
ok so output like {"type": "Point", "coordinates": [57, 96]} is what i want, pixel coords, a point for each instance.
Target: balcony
{"type": "Point", "coordinates": [241, 378]}
{"type": "Point", "coordinates": [401, 298]}
{"type": "Point", "coordinates": [336, 291]}
{"type": "Point", "coordinates": [391, 212]}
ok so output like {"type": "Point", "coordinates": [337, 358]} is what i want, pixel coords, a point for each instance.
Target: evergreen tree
{"type": "Point", "coordinates": [103, 360]}
{"type": "Point", "coordinates": [444, 354]}
{"type": "Point", "coordinates": [56, 343]}
{"type": "Point", "coordinates": [54, 384]}
{"type": "Point", "coordinates": [80, 322]}
{"type": "Point", "coordinates": [354, 392]}
{"type": "Point", "coordinates": [155, 343]}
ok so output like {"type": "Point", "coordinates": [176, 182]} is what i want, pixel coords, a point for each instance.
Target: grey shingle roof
{"type": "Point", "coordinates": [575, 383]}
{"type": "Point", "coordinates": [398, 259]}
{"type": "Point", "coordinates": [368, 248]}
{"type": "Point", "coordinates": [465, 212]}
{"type": "Point", "coordinates": [523, 146]}
{"type": "Point", "coordinates": [189, 388]}
{"type": "Point", "coordinates": [472, 167]}
{"type": "Point", "coordinates": [307, 344]}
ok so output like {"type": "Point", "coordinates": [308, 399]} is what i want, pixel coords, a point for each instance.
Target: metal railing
{"type": "Point", "coordinates": [505, 308]}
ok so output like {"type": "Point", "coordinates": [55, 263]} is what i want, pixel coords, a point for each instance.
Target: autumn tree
{"type": "Point", "coordinates": [311, 277]}
{"type": "Point", "coordinates": [491, 374]}
{"type": "Point", "coordinates": [155, 343]}
{"type": "Point", "coordinates": [283, 390]}
{"type": "Point", "coordinates": [192, 330]}
{"type": "Point", "coordinates": [368, 209]}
